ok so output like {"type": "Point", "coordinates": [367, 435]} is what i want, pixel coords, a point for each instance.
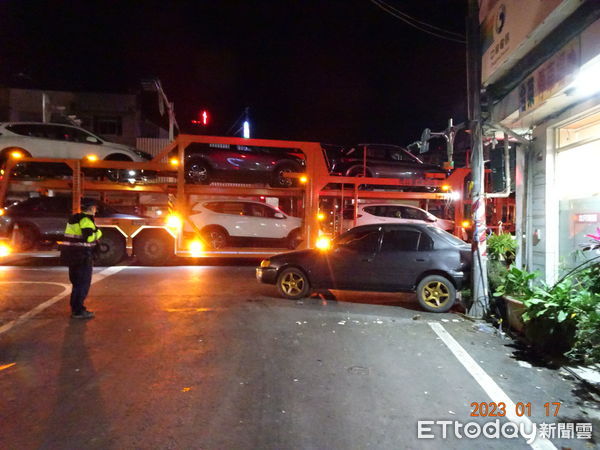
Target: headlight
{"type": "Point", "coordinates": [265, 263]}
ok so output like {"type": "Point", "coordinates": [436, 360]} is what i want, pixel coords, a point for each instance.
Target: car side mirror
{"type": "Point", "coordinates": [431, 219]}
{"type": "Point", "coordinates": [279, 215]}
{"type": "Point", "coordinates": [92, 139]}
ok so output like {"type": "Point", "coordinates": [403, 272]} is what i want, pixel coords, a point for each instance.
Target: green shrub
{"type": "Point", "coordinates": [516, 283]}
{"type": "Point", "coordinates": [502, 247]}
{"type": "Point", "coordinates": [566, 316]}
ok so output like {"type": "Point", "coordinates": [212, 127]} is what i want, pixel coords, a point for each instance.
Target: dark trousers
{"type": "Point", "coordinates": [80, 276]}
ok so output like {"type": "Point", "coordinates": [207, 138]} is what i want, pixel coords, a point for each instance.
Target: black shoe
{"type": "Point", "coordinates": [83, 315]}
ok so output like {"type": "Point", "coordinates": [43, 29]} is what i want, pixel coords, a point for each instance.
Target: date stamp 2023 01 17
{"type": "Point", "coordinates": [518, 425]}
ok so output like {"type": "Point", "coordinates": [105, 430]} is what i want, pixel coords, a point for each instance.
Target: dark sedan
{"type": "Point", "coordinates": [205, 163]}
{"type": "Point", "coordinates": [385, 258]}
{"type": "Point", "coordinates": [382, 161]}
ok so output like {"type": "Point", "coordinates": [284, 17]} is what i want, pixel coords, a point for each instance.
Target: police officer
{"type": "Point", "coordinates": [81, 238]}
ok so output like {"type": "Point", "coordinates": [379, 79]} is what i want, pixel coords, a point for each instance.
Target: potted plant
{"type": "Point", "coordinates": [513, 290]}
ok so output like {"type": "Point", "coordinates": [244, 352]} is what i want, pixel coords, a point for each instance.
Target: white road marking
{"type": "Point", "coordinates": [66, 291]}
{"type": "Point", "coordinates": [495, 392]}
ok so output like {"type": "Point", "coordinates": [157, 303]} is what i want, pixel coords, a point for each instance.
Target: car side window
{"type": "Point", "coordinates": [22, 129]}
{"type": "Point", "coordinates": [214, 206]}
{"type": "Point", "coordinates": [401, 241]}
{"type": "Point", "coordinates": [255, 210]}
{"type": "Point", "coordinates": [361, 241]}
{"type": "Point", "coordinates": [77, 135]}
{"type": "Point", "coordinates": [234, 208]}
{"type": "Point", "coordinates": [413, 213]}
{"type": "Point", "coordinates": [394, 212]}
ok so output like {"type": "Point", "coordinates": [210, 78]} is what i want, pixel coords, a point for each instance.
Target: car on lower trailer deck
{"type": "Point", "coordinates": [384, 258]}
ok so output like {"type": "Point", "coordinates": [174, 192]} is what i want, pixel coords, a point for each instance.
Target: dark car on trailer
{"type": "Point", "coordinates": [382, 161]}
{"type": "Point", "coordinates": [384, 258]}
{"type": "Point", "coordinates": [205, 163]}
{"type": "Point", "coordinates": [41, 221]}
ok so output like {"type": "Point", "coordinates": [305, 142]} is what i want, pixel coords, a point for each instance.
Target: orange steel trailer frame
{"type": "Point", "coordinates": [317, 186]}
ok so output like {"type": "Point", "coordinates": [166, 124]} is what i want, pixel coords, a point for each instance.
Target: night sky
{"type": "Point", "coordinates": [339, 71]}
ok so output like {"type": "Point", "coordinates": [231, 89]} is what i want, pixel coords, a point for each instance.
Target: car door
{"type": "Point", "coordinates": [233, 217]}
{"type": "Point", "coordinates": [78, 143]}
{"type": "Point", "coordinates": [264, 223]}
{"type": "Point", "coordinates": [55, 143]}
{"type": "Point", "coordinates": [58, 212]}
{"type": "Point", "coordinates": [405, 254]}
{"type": "Point", "coordinates": [350, 262]}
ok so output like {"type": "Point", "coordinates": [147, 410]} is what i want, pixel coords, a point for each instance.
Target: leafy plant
{"type": "Point", "coordinates": [496, 274]}
{"type": "Point", "coordinates": [502, 247]}
{"type": "Point", "coordinates": [566, 316]}
{"type": "Point", "coordinates": [516, 283]}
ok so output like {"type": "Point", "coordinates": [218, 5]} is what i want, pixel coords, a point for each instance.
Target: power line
{"type": "Point", "coordinates": [407, 19]}
{"type": "Point", "coordinates": [428, 25]}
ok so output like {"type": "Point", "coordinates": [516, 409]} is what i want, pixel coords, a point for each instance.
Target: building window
{"type": "Point", "coordinates": [578, 188]}
{"type": "Point", "coordinates": [108, 125]}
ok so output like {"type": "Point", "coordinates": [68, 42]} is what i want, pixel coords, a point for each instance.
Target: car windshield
{"type": "Point", "coordinates": [450, 238]}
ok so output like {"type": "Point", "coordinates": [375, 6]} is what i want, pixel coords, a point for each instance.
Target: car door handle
{"type": "Point", "coordinates": [421, 259]}
{"type": "Point", "coordinates": [368, 259]}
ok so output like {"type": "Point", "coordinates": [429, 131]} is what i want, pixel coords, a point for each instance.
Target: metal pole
{"type": "Point", "coordinates": [171, 109]}
{"type": "Point", "coordinates": [480, 306]}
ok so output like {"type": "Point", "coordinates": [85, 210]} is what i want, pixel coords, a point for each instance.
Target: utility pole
{"type": "Point", "coordinates": [480, 306]}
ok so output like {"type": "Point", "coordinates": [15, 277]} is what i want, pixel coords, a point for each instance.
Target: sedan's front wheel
{"type": "Point", "coordinates": [436, 293]}
{"type": "Point", "coordinates": [292, 283]}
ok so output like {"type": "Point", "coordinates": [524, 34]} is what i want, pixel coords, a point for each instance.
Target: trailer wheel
{"type": "Point", "coordinates": [111, 248]}
{"type": "Point", "coordinates": [153, 248]}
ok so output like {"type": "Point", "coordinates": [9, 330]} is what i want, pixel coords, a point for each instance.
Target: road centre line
{"type": "Point", "coordinates": [486, 382]}
{"type": "Point", "coordinates": [66, 291]}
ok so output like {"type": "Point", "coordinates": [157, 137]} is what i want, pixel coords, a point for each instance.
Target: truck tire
{"type": "Point", "coordinates": [153, 247]}
{"type": "Point", "coordinates": [111, 248]}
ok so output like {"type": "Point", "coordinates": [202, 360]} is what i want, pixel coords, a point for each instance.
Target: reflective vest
{"type": "Point", "coordinates": [81, 231]}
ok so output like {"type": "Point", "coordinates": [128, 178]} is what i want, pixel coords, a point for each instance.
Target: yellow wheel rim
{"type": "Point", "coordinates": [435, 293]}
{"type": "Point", "coordinates": [292, 284]}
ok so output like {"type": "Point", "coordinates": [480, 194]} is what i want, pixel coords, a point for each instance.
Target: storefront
{"type": "Point", "coordinates": [554, 105]}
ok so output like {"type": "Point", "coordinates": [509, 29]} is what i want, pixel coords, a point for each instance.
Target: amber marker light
{"type": "Point", "coordinates": [92, 158]}
{"type": "Point", "coordinates": [1, 211]}
{"type": "Point", "coordinates": [323, 243]}
{"type": "Point", "coordinates": [466, 224]}
{"type": "Point", "coordinates": [4, 250]}
{"type": "Point", "coordinates": [196, 247]}
{"type": "Point", "coordinates": [173, 221]}
{"type": "Point", "coordinates": [16, 154]}
{"type": "Point", "coordinates": [303, 179]}
{"type": "Point", "coordinates": [445, 187]}
{"type": "Point", "coordinates": [320, 217]}
{"type": "Point", "coordinates": [174, 162]}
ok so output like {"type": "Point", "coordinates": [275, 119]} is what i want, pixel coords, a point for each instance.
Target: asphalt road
{"type": "Point", "coordinates": [205, 357]}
